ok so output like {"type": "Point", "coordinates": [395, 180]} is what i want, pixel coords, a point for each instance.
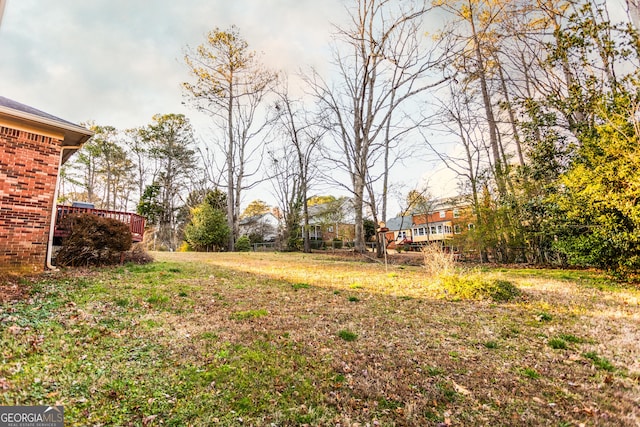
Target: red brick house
{"type": "Point", "coordinates": [33, 146]}
{"type": "Point", "coordinates": [332, 220]}
{"type": "Point", "coordinates": [444, 224]}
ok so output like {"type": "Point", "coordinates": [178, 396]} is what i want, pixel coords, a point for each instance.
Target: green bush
{"type": "Point", "coordinates": [93, 240]}
{"type": "Point", "coordinates": [243, 244]}
{"type": "Point", "coordinates": [475, 286]}
{"type": "Point", "coordinates": [207, 228]}
{"type": "Point", "coordinates": [294, 243]}
{"type": "Point", "coordinates": [317, 244]}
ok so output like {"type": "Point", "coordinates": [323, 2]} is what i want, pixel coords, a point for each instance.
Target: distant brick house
{"type": "Point", "coordinates": [33, 146]}
{"type": "Point", "coordinates": [399, 231]}
{"type": "Point", "coordinates": [332, 220]}
{"type": "Point", "coordinates": [444, 224]}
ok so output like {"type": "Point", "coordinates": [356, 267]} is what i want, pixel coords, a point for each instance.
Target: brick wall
{"type": "Point", "coordinates": [433, 217]}
{"type": "Point", "coordinates": [28, 176]}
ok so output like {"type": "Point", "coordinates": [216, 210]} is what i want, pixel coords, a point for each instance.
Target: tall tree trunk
{"type": "Point", "coordinates": [387, 142]}
{"type": "Point", "coordinates": [512, 117]}
{"type": "Point", "coordinates": [306, 238]}
{"type": "Point", "coordinates": [358, 196]}
{"type": "Point", "coordinates": [488, 107]}
{"type": "Point", "coordinates": [305, 231]}
{"type": "Point", "coordinates": [230, 176]}
{"type": "Point", "coordinates": [374, 212]}
{"type": "Point", "coordinates": [474, 189]}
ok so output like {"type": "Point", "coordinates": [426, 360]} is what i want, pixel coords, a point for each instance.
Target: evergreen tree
{"type": "Point", "coordinates": [150, 206]}
{"type": "Point", "coordinates": [170, 141]}
{"type": "Point", "coordinates": [208, 229]}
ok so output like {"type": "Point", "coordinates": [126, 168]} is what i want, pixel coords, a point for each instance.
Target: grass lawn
{"type": "Point", "coordinates": [270, 339]}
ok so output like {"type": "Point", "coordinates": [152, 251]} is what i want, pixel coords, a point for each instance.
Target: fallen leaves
{"type": "Point", "coordinates": [460, 389]}
{"type": "Point", "coordinates": [149, 419]}
{"type": "Point", "coordinates": [418, 360]}
{"type": "Point", "coordinates": [15, 329]}
{"type": "Point", "coordinates": [4, 384]}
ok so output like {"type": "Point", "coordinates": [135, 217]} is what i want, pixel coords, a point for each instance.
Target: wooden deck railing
{"type": "Point", "coordinates": [134, 221]}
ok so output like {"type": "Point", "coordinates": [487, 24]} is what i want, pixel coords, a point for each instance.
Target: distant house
{"type": "Point", "coordinates": [332, 220]}
{"type": "Point", "coordinates": [442, 224]}
{"type": "Point", "coordinates": [33, 146]}
{"type": "Point", "coordinates": [434, 226]}
{"type": "Point", "coordinates": [264, 226]}
{"type": "Point", "coordinates": [399, 231]}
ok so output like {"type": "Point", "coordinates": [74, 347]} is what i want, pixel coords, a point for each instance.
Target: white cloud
{"type": "Point", "coordinates": [119, 62]}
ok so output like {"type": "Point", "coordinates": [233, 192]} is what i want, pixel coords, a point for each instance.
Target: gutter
{"type": "Point", "coordinates": [33, 118]}
{"type": "Point", "coordinates": [54, 209]}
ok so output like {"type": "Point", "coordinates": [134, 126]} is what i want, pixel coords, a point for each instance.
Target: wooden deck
{"type": "Point", "coordinates": [134, 221]}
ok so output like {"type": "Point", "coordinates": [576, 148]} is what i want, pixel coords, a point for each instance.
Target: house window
{"type": "Point", "coordinates": [456, 213]}
{"type": "Point", "coordinates": [433, 229]}
{"type": "Point", "coordinates": [471, 226]}
{"type": "Point", "coordinates": [439, 229]}
{"type": "Point", "coordinates": [402, 235]}
{"type": "Point", "coordinates": [442, 214]}
{"type": "Point", "coordinates": [447, 229]}
{"type": "Point", "coordinates": [457, 229]}
{"type": "Point", "coordinates": [330, 229]}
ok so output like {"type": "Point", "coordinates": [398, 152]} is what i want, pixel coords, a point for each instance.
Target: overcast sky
{"type": "Point", "coordinates": [119, 62]}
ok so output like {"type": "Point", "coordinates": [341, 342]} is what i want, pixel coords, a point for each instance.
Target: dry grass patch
{"type": "Point", "coordinates": [293, 339]}
{"type": "Point", "coordinates": [413, 324]}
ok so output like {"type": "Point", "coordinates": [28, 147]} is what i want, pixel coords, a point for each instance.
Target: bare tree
{"type": "Point", "coordinates": [382, 61]}
{"type": "Point", "coordinates": [230, 85]}
{"type": "Point", "coordinates": [471, 155]}
{"type": "Point", "coordinates": [295, 165]}
{"type": "Point", "coordinates": [474, 38]}
{"type": "Point", "coordinates": [286, 184]}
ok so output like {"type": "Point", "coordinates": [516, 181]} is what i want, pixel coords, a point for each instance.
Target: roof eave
{"type": "Point", "coordinates": [74, 135]}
